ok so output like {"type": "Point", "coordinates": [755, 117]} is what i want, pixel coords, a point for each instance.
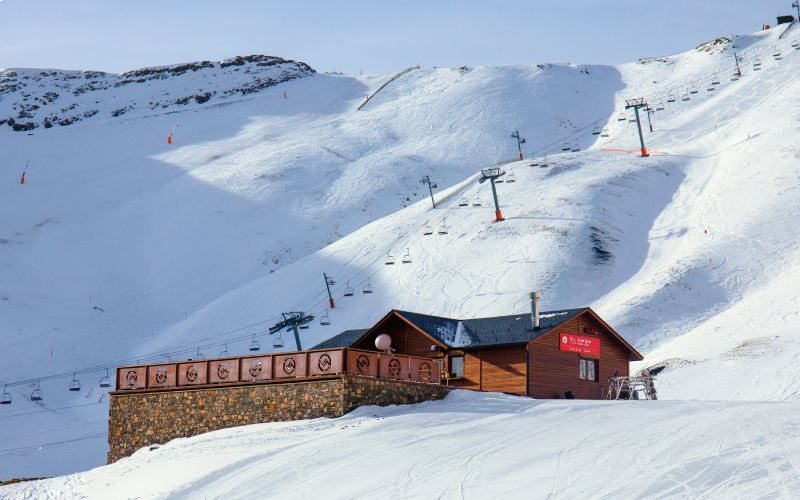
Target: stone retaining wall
{"type": "Point", "coordinates": [150, 417]}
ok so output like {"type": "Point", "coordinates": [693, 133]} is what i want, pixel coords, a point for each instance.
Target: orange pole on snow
{"type": "Point", "coordinates": [169, 138]}
{"type": "Point", "coordinates": [644, 152]}
{"type": "Point", "coordinates": [499, 215]}
{"type": "Point", "coordinates": [22, 178]}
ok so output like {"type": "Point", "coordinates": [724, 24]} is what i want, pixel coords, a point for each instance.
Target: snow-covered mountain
{"type": "Point", "coordinates": [120, 246]}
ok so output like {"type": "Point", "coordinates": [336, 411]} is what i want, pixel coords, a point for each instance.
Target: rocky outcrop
{"type": "Point", "coordinates": [34, 98]}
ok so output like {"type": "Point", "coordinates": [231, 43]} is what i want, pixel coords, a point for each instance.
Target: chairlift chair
{"type": "Point", "coordinates": [277, 342]}
{"type": "Point", "coordinates": [406, 259]}
{"type": "Point", "coordinates": [596, 130]}
{"type": "Point", "coordinates": [660, 106]}
{"type": "Point", "coordinates": [428, 229]}
{"type": "Point", "coordinates": [671, 98]}
{"type": "Point", "coordinates": [463, 202]}
{"type": "Point", "coordinates": [565, 147]}
{"type": "Point", "coordinates": [796, 44]}
{"type": "Point", "coordinates": [255, 345]}
{"type": "Point", "coordinates": [75, 385]}
{"type": "Point", "coordinates": [105, 380]}
{"type": "Point", "coordinates": [622, 117]}
{"type": "Point", "coordinates": [576, 147]}
{"type": "Point", "coordinates": [685, 97]}
{"type": "Point", "coordinates": [604, 132]}
{"type": "Point", "coordinates": [510, 178]}
{"type": "Point", "coordinates": [224, 353]}
{"type": "Point", "coordinates": [777, 53]}
{"type": "Point", "coordinates": [368, 287]}
{"type": "Point", "coordinates": [348, 290]}
{"type": "Point", "coordinates": [735, 76]}
{"type": "Point", "coordinates": [5, 398]}
{"type": "Point", "coordinates": [198, 355]}
{"type": "Point", "coordinates": [389, 261]}
{"type": "Point", "coordinates": [443, 227]}
{"type": "Point", "coordinates": [36, 393]}
{"type": "Point", "coordinates": [632, 119]}
{"type": "Point", "coordinates": [534, 163]}
{"type": "Point", "coordinates": [325, 320]}
{"type": "Point", "coordinates": [477, 202]}
{"type": "Point", "coordinates": [304, 326]}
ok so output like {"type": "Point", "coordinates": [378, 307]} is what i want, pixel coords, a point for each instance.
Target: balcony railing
{"type": "Point", "coordinates": [279, 367]}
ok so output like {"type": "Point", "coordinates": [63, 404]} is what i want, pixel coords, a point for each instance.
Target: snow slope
{"type": "Point", "coordinates": [471, 445]}
{"type": "Point", "coordinates": [120, 247]}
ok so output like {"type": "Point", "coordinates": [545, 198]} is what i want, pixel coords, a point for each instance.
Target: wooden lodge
{"type": "Point", "coordinates": [569, 353]}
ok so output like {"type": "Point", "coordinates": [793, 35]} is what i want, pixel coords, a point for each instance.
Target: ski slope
{"type": "Point", "coordinates": [472, 445]}
{"type": "Point", "coordinates": [120, 247]}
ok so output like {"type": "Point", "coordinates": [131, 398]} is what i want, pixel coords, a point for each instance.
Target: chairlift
{"type": "Point", "coordinates": [622, 117]}
{"type": "Point", "coordinates": [325, 320]}
{"type": "Point", "coordinates": [660, 106]}
{"type": "Point", "coordinates": [604, 132]}
{"type": "Point", "coordinates": [443, 227]}
{"type": "Point", "coordinates": [389, 261]}
{"type": "Point", "coordinates": [277, 342]}
{"type": "Point", "coordinates": [777, 54]}
{"type": "Point", "coordinates": [304, 326]}
{"type": "Point", "coordinates": [632, 119]}
{"type": "Point", "coordinates": [715, 80]}
{"type": "Point", "coordinates": [735, 76]}
{"type": "Point", "coordinates": [510, 178]}
{"type": "Point", "coordinates": [500, 179]}
{"type": "Point", "coordinates": [428, 229]}
{"type": "Point", "coordinates": [796, 44]}
{"type": "Point", "coordinates": [406, 259]}
{"type": "Point", "coordinates": [685, 97]}
{"type": "Point", "coordinates": [75, 385]}
{"type": "Point", "coordinates": [368, 287]}
{"type": "Point", "coordinates": [694, 91]}
{"type": "Point", "coordinates": [36, 393]}
{"type": "Point", "coordinates": [576, 147]}
{"type": "Point", "coordinates": [477, 202]}
{"type": "Point", "coordinates": [670, 98]}
{"type": "Point", "coordinates": [224, 353]}
{"type": "Point", "coordinates": [5, 398]}
{"type": "Point", "coordinates": [255, 345]}
{"type": "Point", "coordinates": [463, 202]}
{"type": "Point", "coordinates": [565, 147]}
{"type": "Point", "coordinates": [198, 355]}
{"type": "Point", "coordinates": [348, 290]}
{"type": "Point", "coordinates": [596, 130]}
{"type": "Point", "coordinates": [105, 380]}
{"type": "Point", "coordinates": [534, 163]}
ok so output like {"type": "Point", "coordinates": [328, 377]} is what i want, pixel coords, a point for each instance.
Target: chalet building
{"type": "Point", "coordinates": [553, 354]}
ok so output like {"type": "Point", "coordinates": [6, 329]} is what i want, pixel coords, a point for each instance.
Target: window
{"type": "Point", "coordinates": [456, 366]}
{"type": "Point", "coordinates": [588, 369]}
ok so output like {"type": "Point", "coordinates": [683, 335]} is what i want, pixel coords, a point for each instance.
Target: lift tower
{"type": "Point", "coordinates": [637, 104]}
{"type": "Point", "coordinates": [491, 174]}
{"type": "Point", "coordinates": [291, 321]}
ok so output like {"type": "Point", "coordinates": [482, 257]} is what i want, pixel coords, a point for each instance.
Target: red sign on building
{"type": "Point", "coordinates": [580, 344]}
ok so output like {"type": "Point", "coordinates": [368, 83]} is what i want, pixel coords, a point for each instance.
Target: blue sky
{"type": "Point", "coordinates": [355, 35]}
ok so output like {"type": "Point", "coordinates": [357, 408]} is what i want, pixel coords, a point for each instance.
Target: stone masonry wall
{"type": "Point", "coordinates": [145, 418]}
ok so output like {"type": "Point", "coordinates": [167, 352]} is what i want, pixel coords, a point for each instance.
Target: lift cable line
{"type": "Point", "coordinates": [491, 174]}
{"type": "Point", "coordinates": [431, 186]}
{"type": "Point", "coordinates": [520, 142]}
{"type": "Point", "coordinates": [636, 104]}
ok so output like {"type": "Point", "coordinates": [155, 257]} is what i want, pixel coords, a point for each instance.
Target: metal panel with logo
{"type": "Point", "coordinates": [192, 373]}
{"type": "Point", "coordinates": [255, 369]}
{"type": "Point", "coordinates": [325, 362]}
{"type": "Point", "coordinates": [393, 367]}
{"type": "Point", "coordinates": [425, 370]}
{"type": "Point", "coordinates": [363, 363]}
{"type": "Point", "coordinates": [161, 376]}
{"type": "Point", "coordinates": [223, 371]}
{"type": "Point", "coordinates": [290, 365]}
{"type": "Point", "coordinates": [132, 377]}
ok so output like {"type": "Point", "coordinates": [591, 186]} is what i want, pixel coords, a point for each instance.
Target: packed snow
{"type": "Point", "coordinates": [120, 247]}
{"type": "Point", "coordinates": [471, 445]}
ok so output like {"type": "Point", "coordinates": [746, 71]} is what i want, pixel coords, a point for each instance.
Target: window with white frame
{"type": "Point", "coordinates": [588, 369]}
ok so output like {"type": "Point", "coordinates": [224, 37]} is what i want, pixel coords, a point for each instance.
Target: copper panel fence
{"type": "Point", "coordinates": [279, 367]}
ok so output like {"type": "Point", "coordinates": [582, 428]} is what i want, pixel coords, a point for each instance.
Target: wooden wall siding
{"type": "Point", "coordinates": [552, 371]}
{"type": "Point", "coordinates": [504, 369]}
{"type": "Point", "coordinates": [501, 369]}
{"type": "Point", "coordinates": [405, 339]}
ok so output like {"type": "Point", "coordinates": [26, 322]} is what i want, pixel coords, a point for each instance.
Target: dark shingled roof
{"type": "Point", "coordinates": [480, 332]}
{"type": "Point", "coordinates": [344, 339]}
{"type": "Point", "coordinates": [498, 330]}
